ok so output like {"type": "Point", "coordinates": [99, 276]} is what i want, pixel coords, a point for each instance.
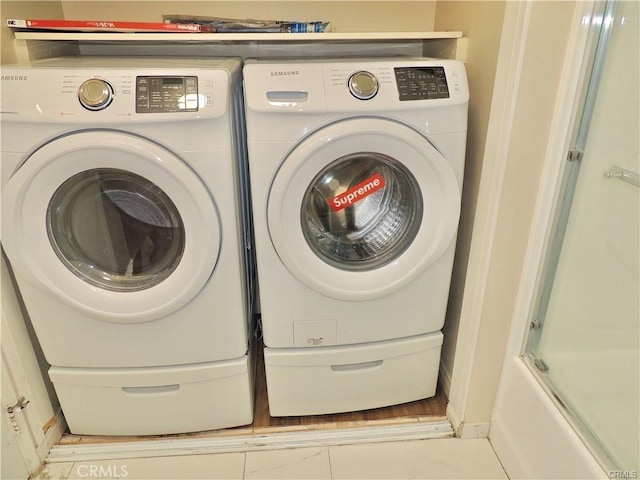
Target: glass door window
{"type": "Point", "coordinates": [115, 229]}
{"type": "Point", "coordinates": [361, 211]}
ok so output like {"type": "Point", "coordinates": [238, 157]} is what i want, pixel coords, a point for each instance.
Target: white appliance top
{"type": "Point", "coordinates": [167, 63]}
{"type": "Point", "coordinates": [352, 84]}
{"type": "Point", "coordinates": [107, 90]}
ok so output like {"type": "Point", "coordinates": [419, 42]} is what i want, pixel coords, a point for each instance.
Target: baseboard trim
{"type": "Point", "coordinates": [455, 422]}
{"type": "Point", "coordinates": [251, 442]}
{"type": "Point", "coordinates": [54, 429]}
{"type": "Point", "coordinates": [467, 430]}
{"type": "Point", "coordinates": [474, 430]}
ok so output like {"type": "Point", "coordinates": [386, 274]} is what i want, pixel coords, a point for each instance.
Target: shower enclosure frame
{"type": "Point", "coordinates": [605, 422]}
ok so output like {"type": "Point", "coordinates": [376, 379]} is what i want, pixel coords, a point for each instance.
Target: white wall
{"type": "Point", "coordinates": [23, 9]}
{"type": "Point", "coordinates": [347, 16]}
{"type": "Point", "coordinates": [519, 128]}
{"type": "Point", "coordinates": [481, 22]}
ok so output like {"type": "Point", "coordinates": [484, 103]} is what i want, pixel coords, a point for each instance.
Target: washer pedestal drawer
{"type": "Point", "coordinates": [157, 400]}
{"type": "Point", "coordinates": [324, 380]}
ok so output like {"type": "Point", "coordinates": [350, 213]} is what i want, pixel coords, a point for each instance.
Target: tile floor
{"type": "Point", "coordinates": [450, 458]}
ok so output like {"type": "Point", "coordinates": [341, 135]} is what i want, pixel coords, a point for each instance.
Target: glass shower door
{"type": "Point", "coordinates": [584, 335]}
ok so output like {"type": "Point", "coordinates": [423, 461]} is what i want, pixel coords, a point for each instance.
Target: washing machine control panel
{"type": "Point", "coordinates": [421, 83]}
{"type": "Point", "coordinates": [159, 94]}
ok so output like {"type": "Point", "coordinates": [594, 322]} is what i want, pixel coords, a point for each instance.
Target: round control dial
{"type": "Point", "coordinates": [363, 85]}
{"type": "Point", "coordinates": [95, 94]}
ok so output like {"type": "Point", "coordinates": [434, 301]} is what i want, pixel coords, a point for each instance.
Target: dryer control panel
{"type": "Point", "coordinates": [86, 90]}
{"type": "Point", "coordinates": [155, 94]}
{"type": "Point", "coordinates": [421, 83]}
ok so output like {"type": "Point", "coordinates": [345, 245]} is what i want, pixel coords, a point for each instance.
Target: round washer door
{"type": "Point", "coordinates": [112, 224]}
{"type": "Point", "coordinates": [360, 207]}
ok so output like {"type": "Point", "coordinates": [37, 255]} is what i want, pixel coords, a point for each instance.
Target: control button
{"type": "Point", "coordinates": [363, 85]}
{"type": "Point", "coordinates": [95, 94]}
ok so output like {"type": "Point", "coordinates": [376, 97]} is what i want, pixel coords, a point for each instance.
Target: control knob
{"type": "Point", "coordinates": [95, 94]}
{"type": "Point", "coordinates": [363, 85]}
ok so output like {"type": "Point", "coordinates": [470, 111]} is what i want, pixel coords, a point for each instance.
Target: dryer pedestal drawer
{"type": "Point", "coordinates": [153, 401]}
{"type": "Point", "coordinates": [323, 380]}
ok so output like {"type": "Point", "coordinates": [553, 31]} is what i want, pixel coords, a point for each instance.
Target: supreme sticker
{"type": "Point", "coordinates": [357, 193]}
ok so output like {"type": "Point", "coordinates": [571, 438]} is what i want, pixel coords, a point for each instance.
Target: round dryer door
{"type": "Point", "coordinates": [114, 225]}
{"type": "Point", "coordinates": [360, 207]}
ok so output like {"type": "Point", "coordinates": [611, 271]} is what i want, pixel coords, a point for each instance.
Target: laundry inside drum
{"type": "Point", "coordinates": [361, 211]}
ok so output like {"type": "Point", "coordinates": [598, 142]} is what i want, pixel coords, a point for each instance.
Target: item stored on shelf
{"type": "Point", "coordinates": [235, 25]}
{"type": "Point", "coordinates": [106, 26]}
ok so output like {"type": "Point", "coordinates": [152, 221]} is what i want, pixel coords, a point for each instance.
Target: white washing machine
{"type": "Point", "coordinates": [356, 171]}
{"type": "Point", "coordinates": [122, 219]}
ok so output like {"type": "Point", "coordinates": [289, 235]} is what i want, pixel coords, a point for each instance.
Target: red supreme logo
{"type": "Point", "coordinates": [354, 194]}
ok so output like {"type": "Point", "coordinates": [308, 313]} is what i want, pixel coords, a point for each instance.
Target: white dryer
{"type": "Point", "coordinates": [122, 219]}
{"type": "Point", "coordinates": [356, 171]}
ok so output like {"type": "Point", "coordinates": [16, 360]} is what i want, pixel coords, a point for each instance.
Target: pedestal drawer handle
{"type": "Point", "coordinates": [349, 367]}
{"type": "Point", "coordinates": [155, 390]}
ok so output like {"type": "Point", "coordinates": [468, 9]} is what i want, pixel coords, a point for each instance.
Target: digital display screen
{"type": "Point", "coordinates": [421, 83]}
{"type": "Point", "coordinates": [166, 94]}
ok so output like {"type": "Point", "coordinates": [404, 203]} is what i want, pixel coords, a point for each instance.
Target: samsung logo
{"type": "Point", "coordinates": [21, 78]}
{"type": "Point", "coordinates": [285, 73]}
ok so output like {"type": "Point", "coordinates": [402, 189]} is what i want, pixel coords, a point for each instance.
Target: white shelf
{"type": "Point", "coordinates": [233, 37]}
{"type": "Point", "coordinates": [32, 45]}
